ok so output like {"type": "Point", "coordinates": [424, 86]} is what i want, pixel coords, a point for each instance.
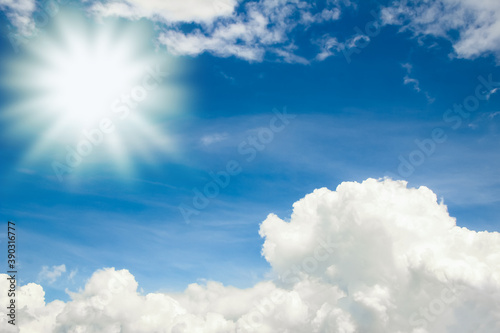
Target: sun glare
{"type": "Point", "coordinates": [79, 77]}
{"type": "Point", "coordinates": [83, 82]}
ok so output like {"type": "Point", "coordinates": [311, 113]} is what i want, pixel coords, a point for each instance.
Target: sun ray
{"type": "Point", "coordinates": [74, 78]}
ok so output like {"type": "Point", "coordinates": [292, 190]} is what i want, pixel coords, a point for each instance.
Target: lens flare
{"type": "Point", "coordinates": [86, 89]}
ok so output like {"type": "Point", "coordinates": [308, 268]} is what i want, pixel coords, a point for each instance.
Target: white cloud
{"type": "Point", "coordinates": [228, 77]}
{"type": "Point", "coordinates": [51, 275]}
{"type": "Point", "coordinates": [356, 40]}
{"type": "Point", "coordinates": [491, 92]}
{"type": "Point", "coordinates": [209, 139]}
{"type": "Point", "coordinates": [200, 11]}
{"type": "Point", "coordinates": [409, 80]}
{"type": "Point", "coordinates": [72, 274]}
{"type": "Point", "coordinates": [369, 257]}
{"type": "Point", "coordinates": [329, 46]}
{"type": "Point", "coordinates": [251, 30]}
{"type": "Point", "coordinates": [413, 82]}
{"type": "Point", "coordinates": [323, 16]}
{"type": "Point", "coordinates": [476, 21]}
{"type": "Point", "coordinates": [20, 14]}
{"type": "Point", "coordinates": [493, 114]}
{"type": "Point", "coordinates": [249, 35]}
{"type": "Point", "coordinates": [261, 27]}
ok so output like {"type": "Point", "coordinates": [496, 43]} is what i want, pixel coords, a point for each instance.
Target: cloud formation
{"type": "Point", "coordinates": [255, 30]}
{"type": "Point", "coordinates": [263, 26]}
{"type": "Point", "coordinates": [368, 257]}
{"type": "Point", "coordinates": [476, 23]}
{"type": "Point", "coordinates": [199, 11]}
{"type": "Point", "coordinates": [51, 275]}
{"type": "Point", "coordinates": [413, 82]}
{"type": "Point", "coordinates": [20, 13]}
{"type": "Point", "coordinates": [210, 139]}
{"type": "Point", "coordinates": [224, 28]}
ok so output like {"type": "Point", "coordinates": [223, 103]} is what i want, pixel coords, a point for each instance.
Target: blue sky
{"type": "Point", "coordinates": [353, 117]}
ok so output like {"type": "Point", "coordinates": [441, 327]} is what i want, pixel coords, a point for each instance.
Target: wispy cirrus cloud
{"type": "Point", "coordinates": [413, 82]}
{"type": "Point", "coordinates": [209, 139]}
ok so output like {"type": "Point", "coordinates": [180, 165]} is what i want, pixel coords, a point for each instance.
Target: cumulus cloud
{"type": "Point", "coordinates": [476, 23]}
{"type": "Point", "coordinates": [368, 257]}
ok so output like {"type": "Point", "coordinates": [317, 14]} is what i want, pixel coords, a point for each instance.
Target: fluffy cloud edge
{"type": "Point", "coordinates": [373, 256]}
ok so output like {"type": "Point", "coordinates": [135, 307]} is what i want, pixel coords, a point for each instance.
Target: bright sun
{"type": "Point", "coordinates": [79, 75]}
{"type": "Point", "coordinates": [81, 69]}
{"type": "Point", "coordinates": [83, 80]}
